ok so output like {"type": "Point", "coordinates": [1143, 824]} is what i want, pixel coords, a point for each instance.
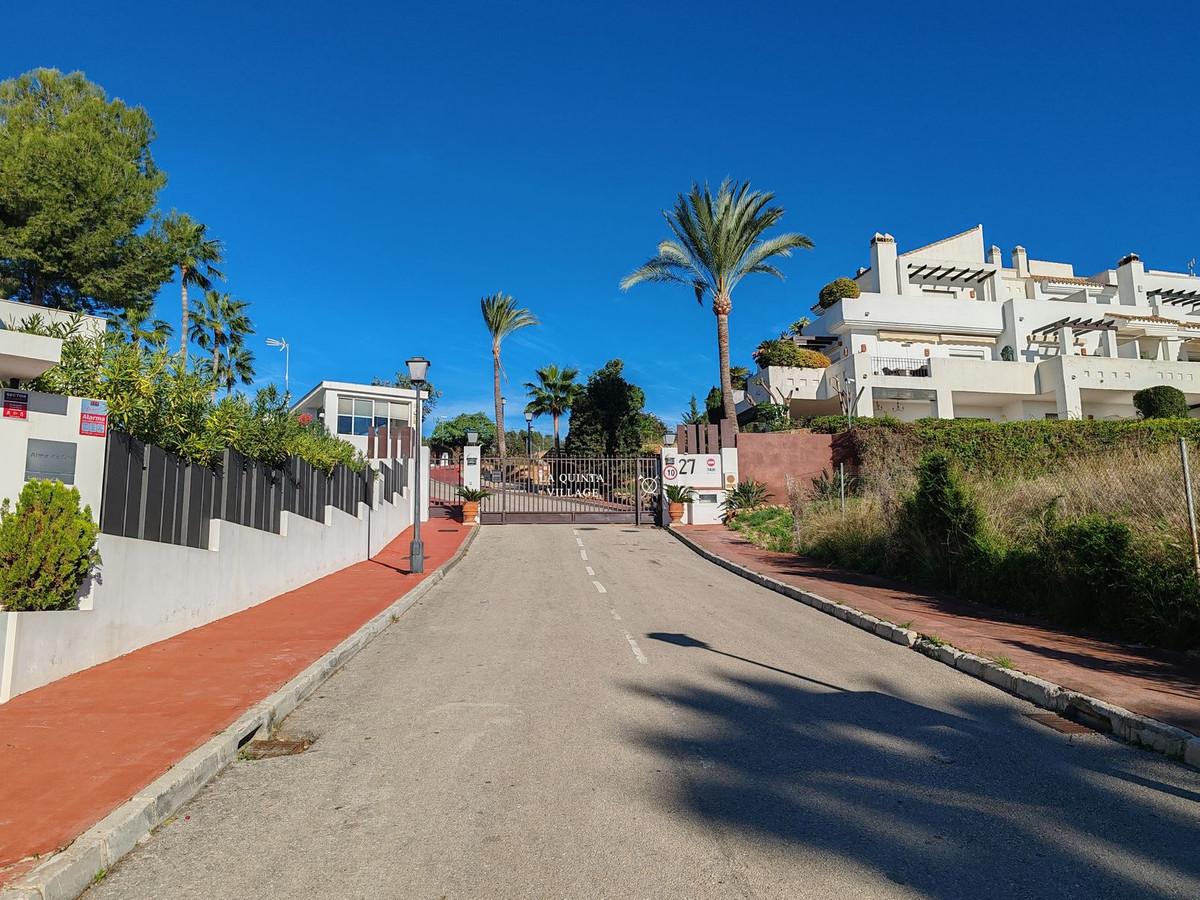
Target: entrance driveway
{"type": "Point", "coordinates": [597, 712]}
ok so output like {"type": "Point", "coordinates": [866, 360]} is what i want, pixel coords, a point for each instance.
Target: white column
{"type": "Point", "coordinates": [943, 404]}
{"type": "Point", "coordinates": [1066, 341]}
{"type": "Point", "coordinates": [470, 473]}
{"type": "Point", "coordinates": [1108, 343]}
{"type": "Point", "coordinates": [1070, 406]}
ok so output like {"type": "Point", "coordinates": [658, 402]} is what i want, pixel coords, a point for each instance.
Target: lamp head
{"type": "Point", "coordinates": [669, 439]}
{"type": "Point", "coordinates": [472, 438]}
{"type": "Point", "coordinates": [528, 417]}
{"type": "Point", "coordinates": [418, 368]}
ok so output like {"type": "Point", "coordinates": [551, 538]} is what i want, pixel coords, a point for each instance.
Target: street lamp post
{"type": "Point", "coordinates": [283, 345]}
{"type": "Point", "coordinates": [529, 434]}
{"type": "Point", "coordinates": [418, 368]}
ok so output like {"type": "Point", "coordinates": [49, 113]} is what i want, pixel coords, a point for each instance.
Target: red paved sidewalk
{"type": "Point", "coordinates": [74, 750]}
{"type": "Point", "coordinates": [1164, 686]}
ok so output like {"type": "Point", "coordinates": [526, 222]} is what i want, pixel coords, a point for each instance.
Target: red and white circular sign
{"type": "Point", "coordinates": [712, 462]}
{"type": "Point", "coordinates": [670, 473]}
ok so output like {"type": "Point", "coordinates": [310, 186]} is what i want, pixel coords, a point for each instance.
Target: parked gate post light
{"type": "Point", "coordinates": [418, 368]}
{"type": "Point", "coordinates": [529, 434]}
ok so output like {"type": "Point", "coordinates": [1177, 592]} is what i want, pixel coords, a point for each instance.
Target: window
{"type": "Point", "coordinates": [358, 416]}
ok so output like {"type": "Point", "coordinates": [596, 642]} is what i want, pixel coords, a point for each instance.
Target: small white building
{"type": "Point", "coordinates": [46, 435]}
{"type": "Point", "coordinates": [350, 410]}
{"type": "Point", "coordinates": [954, 330]}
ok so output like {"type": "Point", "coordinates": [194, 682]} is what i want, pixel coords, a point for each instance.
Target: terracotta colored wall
{"type": "Point", "coordinates": [769, 458]}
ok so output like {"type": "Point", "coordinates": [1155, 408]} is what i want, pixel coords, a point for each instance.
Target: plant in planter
{"type": "Point", "coordinates": [748, 495]}
{"type": "Point", "coordinates": [471, 498]}
{"type": "Point", "coordinates": [677, 496]}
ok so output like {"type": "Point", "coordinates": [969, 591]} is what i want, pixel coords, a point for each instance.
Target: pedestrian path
{"type": "Point", "coordinates": [74, 750]}
{"type": "Point", "coordinates": [1161, 685]}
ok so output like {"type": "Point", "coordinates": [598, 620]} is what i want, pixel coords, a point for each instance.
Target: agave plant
{"type": "Point", "coordinates": [473, 495]}
{"type": "Point", "coordinates": [748, 495]}
{"type": "Point", "coordinates": [679, 493]}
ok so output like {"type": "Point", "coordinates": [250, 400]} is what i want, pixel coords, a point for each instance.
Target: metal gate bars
{"type": "Point", "coordinates": [579, 489]}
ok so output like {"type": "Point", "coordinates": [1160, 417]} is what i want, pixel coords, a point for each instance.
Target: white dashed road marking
{"type": "Point", "coordinates": [637, 651]}
{"type": "Point", "coordinates": [616, 615]}
{"type": "Point", "coordinates": [583, 555]}
{"type": "Point", "coordinates": [601, 588]}
{"type": "Point", "coordinates": [590, 570]}
{"type": "Point", "coordinates": [579, 541]}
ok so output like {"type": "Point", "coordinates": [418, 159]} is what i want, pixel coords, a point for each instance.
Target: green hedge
{"type": "Point", "coordinates": [1028, 447]}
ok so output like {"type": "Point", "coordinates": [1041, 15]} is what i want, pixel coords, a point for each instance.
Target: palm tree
{"type": "Point", "coordinates": [235, 366]}
{"type": "Point", "coordinates": [553, 394]}
{"type": "Point", "coordinates": [718, 241]}
{"type": "Point", "coordinates": [502, 317]}
{"type": "Point", "coordinates": [197, 257]}
{"type": "Point", "coordinates": [135, 324]}
{"type": "Point", "coordinates": [221, 322]}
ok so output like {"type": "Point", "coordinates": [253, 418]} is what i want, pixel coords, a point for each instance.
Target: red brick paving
{"type": "Point", "coordinates": [1158, 684]}
{"type": "Point", "coordinates": [74, 750]}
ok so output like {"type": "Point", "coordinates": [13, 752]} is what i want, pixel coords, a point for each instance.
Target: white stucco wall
{"type": "Point", "coordinates": [55, 418]}
{"type": "Point", "coordinates": [149, 591]}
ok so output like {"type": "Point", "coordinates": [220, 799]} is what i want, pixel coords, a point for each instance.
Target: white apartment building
{"type": "Point", "coordinates": [953, 330]}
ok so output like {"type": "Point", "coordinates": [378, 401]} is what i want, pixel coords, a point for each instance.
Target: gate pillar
{"type": "Point", "coordinates": [470, 471]}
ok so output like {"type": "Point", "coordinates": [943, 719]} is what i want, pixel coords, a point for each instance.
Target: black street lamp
{"type": "Point", "coordinates": [418, 368]}
{"type": "Point", "coordinates": [529, 434]}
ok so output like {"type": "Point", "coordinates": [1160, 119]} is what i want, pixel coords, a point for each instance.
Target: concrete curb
{"type": "Point", "coordinates": [1130, 727]}
{"type": "Point", "coordinates": [68, 873]}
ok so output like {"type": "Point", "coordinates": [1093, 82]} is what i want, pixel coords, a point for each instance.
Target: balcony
{"type": "Point", "coordinates": [903, 367]}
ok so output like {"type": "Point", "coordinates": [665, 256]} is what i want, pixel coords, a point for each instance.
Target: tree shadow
{"type": "Point", "coordinates": [972, 802]}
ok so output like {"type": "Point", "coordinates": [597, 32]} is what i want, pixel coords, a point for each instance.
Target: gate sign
{"type": "Point", "coordinates": [694, 470]}
{"type": "Point", "coordinates": [16, 404]}
{"type": "Point", "coordinates": [93, 418]}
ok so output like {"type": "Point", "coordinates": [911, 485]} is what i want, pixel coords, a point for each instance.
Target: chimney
{"type": "Point", "coordinates": [995, 257]}
{"type": "Point", "coordinates": [1131, 273]}
{"type": "Point", "coordinates": [1020, 260]}
{"type": "Point", "coordinates": [883, 261]}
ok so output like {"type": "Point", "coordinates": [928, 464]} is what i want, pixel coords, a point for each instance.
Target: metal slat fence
{"type": "Point", "coordinates": [155, 495]}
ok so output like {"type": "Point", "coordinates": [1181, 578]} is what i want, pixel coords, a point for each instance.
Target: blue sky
{"type": "Point", "coordinates": [375, 168]}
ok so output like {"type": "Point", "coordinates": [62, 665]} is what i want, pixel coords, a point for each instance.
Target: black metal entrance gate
{"type": "Point", "coordinates": [617, 490]}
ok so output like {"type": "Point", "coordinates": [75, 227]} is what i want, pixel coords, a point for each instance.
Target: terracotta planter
{"type": "Point", "coordinates": [470, 511]}
{"type": "Point", "coordinates": [675, 511]}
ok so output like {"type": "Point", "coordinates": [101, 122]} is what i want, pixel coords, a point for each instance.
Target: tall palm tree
{"type": "Point", "coordinates": [236, 366]}
{"type": "Point", "coordinates": [718, 241]}
{"type": "Point", "coordinates": [502, 317]}
{"type": "Point", "coordinates": [197, 257]}
{"type": "Point", "coordinates": [220, 323]}
{"type": "Point", "coordinates": [135, 323]}
{"type": "Point", "coordinates": [553, 394]}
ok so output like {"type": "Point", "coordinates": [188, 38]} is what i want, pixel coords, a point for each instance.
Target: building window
{"type": "Point", "coordinates": [357, 416]}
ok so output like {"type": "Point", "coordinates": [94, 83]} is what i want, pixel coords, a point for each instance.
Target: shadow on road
{"type": "Point", "coordinates": [971, 803]}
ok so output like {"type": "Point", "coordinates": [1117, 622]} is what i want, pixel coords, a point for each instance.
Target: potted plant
{"type": "Point", "coordinates": [677, 496]}
{"type": "Point", "coordinates": [471, 498]}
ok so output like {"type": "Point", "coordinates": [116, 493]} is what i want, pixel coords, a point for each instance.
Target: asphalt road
{"type": "Point", "coordinates": [600, 713]}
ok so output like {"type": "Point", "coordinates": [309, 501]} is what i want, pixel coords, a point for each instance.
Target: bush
{"type": "Point", "coordinates": [837, 290]}
{"type": "Point", "coordinates": [769, 527]}
{"type": "Point", "coordinates": [749, 495]}
{"type": "Point", "coordinates": [779, 352]}
{"type": "Point", "coordinates": [769, 417]}
{"type": "Point", "coordinates": [1161, 402]}
{"type": "Point", "coordinates": [47, 548]}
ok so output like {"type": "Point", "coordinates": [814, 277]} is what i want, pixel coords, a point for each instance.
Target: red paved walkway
{"type": "Point", "coordinates": [74, 750]}
{"type": "Point", "coordinates": [1161, 685]}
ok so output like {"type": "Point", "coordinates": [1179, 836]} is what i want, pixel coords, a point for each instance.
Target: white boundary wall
{"type": "Point", "coordinates": [149, 591]}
